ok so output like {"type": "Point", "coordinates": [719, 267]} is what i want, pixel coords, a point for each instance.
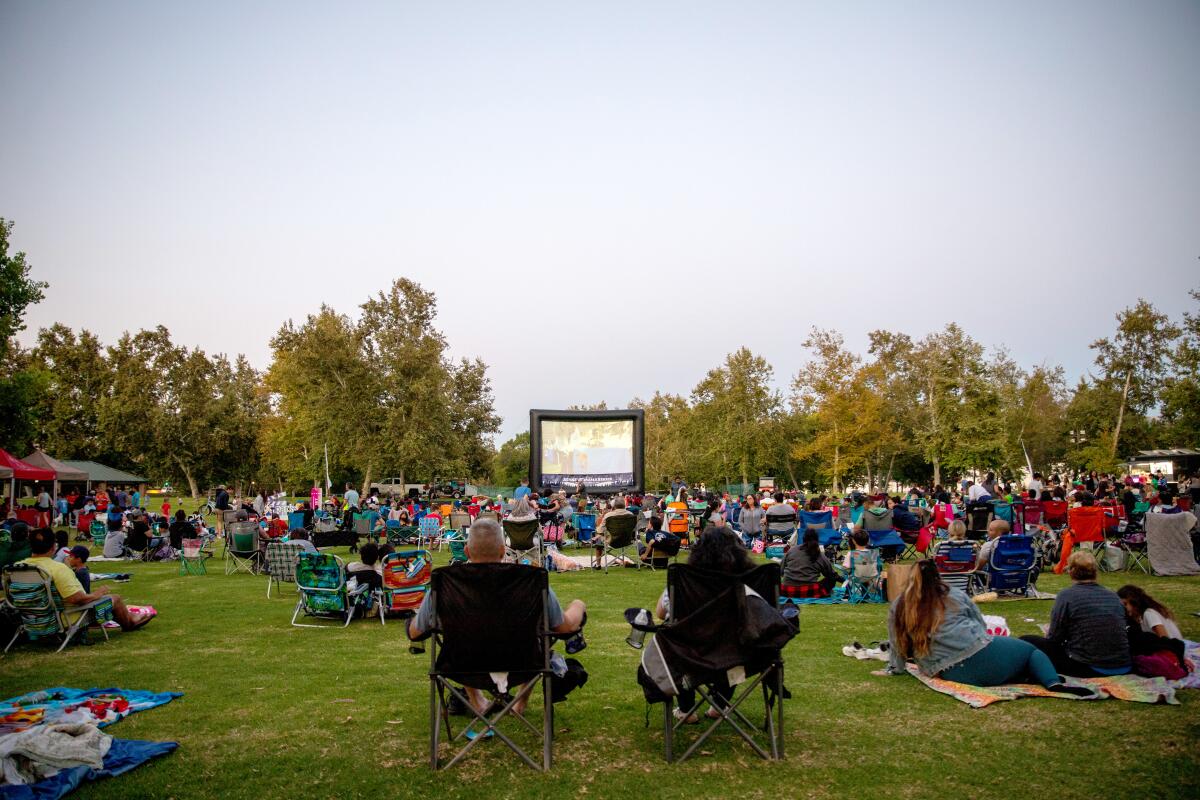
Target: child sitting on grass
{"type": "Point", "coordinates": [1155, 641]}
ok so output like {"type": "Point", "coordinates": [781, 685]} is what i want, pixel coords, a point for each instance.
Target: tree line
{"type": "Point", "coordinates": [921, 410]}
{"type": "Point", "coordinates": [379, 392]}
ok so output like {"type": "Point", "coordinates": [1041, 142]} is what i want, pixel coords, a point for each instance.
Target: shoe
{"type": "Point", "coordinates": [686, 719]}
{"type": "Point", "coordinates": [1082, 692]}
{"type": "Point", "coordinates": [473, 734]}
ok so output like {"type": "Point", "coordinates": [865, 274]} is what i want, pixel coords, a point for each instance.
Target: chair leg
{"type": "Point", "coordinates": [13, 640]}
{"type": "Point", "coordinates": [669, 730]}
{"type": "Point", "coordinates": [435, 728]}
{"type": "Point", "coordinates": [547, 725]}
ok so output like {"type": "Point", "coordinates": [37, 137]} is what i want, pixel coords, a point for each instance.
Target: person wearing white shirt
{"type": "Point", "coordinates": [976, 493]}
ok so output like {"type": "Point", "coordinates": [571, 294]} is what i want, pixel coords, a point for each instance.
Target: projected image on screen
{"type": "Point", "coordinates": [597, 453]}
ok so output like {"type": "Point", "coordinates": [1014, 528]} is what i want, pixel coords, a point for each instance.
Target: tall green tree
{"type": "Point", "coordinates": [17, 290]}
{"type": "Point", "coordinates": [1181, 392]}
{"type": "Point", "coordinates": [510, 465]}
{"type": "Point", "coordinates": [1131, 361]}
{"type": "Point", "coordinates": [78, 379]}
{"type": "Point", "coordinates": [23, 384]}
{"type": "Point", "coordinates": [729, 425]}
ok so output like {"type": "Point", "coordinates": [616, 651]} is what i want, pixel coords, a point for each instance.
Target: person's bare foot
{"type": "Point", "coordinates": [138, 620]}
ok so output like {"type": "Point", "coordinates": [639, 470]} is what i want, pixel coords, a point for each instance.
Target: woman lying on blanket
{"type": "Point", "coordinates": [943, 631]}
{"type": "Point", "coordinates": [1154, 638]}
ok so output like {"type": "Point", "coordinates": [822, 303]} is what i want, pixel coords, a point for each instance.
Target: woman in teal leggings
{"type": "Point", "coordinates": [943, 632]}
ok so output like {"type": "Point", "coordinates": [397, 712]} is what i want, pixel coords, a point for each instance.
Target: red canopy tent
{"type": "Point", "coordinates": [22, 471]}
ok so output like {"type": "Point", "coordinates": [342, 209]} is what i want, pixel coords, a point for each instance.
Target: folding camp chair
{"type": "Point", "coordinates": [242, 553]}
{"type": "Point", "coordinates": [702, 605]}
{"type": "Point", "coordinates": [405, 581]}
{"type": "Point", "coordinates": [1055, 514]}
{"type": "Point", "coordinates": [831, 540]}
{"type": "Point", "coordinates": [282, 558]}
{"type": "Point", "coordinates": [585, 526]}
{"type": "Point", "coordinates": [888, 538]}
{"type": "Point", "coordinates": [399, 535]}
{"type": "Point", "coordinates": [1032, 516]}
{"type": "Point", "coordinates": [524, 541]}
{"type": "Point", "coordinates": [1011, 564]}
{"type": "Point", "coordinates": [661, 551]}
{"type": "Point", "coordinates": [98, 531]}
{"type": "Point", "coordinates": [1087, 524]}
{"type": "Point", "coordinates": [192, 557]}
{"type": "Point", "coordinates": [429, 532]}
{"type": "Point", "coordinates": [295, 520]}
{"type": "Point", "coordinates": [821, 520]}
{"type": "Point", "coordinates": [457, 542]}
{"type": "Point", "coordinates": [478, 639]}
{"type": "Point", "coordinates": [459, 520]}
{"type": "Point", "coordinates": [774, 532]}
{"type": "Point", "coordinates": [621, 530]}
{"type": "Point", "coordinates": [977, 516]}
{"type": "Point", "coordinates": [362, 527]}
{"type": "Point", "coordinates": [30, 591]}
{"type": "Point", "coordinates": [956, 565]}
{"type": "Point", "coordinates": [1133, 543]}
{"type": "Point", "coordinates": [321, 583]}
{"type": "Point", "coordinates": [864, 579]}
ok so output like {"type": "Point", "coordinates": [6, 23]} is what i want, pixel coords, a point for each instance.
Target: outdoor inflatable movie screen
{"type": "Point", "coordinates": [600, 449]}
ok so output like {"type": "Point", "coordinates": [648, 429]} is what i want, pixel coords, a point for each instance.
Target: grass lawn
{"type": "Point", "coordinates": [275, 711]}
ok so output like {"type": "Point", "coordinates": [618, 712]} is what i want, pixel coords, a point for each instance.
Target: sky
{"type": "Point", "coordinates": [608, 197]}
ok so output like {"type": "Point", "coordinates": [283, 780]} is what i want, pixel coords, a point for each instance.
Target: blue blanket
{"type": "Point", "coordinates": [124, 755]}
{"type": "Point", "coordinates": [106, 706]}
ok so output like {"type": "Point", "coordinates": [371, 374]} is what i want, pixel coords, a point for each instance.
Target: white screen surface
{"type": "Point", "coordinates": [591, 447]}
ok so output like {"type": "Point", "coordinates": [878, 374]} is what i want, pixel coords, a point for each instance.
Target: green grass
{"type": "Point", "coordinates": [275, 711]}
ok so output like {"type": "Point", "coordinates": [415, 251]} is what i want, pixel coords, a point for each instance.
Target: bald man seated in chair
{"type": "Point", "coordinates": [485, 545]}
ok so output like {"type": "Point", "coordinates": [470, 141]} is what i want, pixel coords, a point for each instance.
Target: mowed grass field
{"type": "Point", "coordinates": [274, 711]}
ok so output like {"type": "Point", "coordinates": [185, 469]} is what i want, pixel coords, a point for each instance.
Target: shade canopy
{"type": "Point", "coordinates": [23, 471]}
{"type": "Point", "coordinates": [61, 471]}
{"type": "Point", "coordinates": [96, 473]}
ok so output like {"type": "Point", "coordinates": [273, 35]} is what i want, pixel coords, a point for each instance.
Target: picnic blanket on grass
{"type": "Point", "coordinates": [61, 709]}
{"type": "Point", "coordinates": [1169, 545]}
{"type": "Point", "coordinates": [1121, 687]}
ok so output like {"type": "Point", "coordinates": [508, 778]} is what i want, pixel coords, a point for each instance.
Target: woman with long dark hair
{"type": "Point", "coordinates": [806, 570]}
{"type": "Point", "coordinates": [940, 629]}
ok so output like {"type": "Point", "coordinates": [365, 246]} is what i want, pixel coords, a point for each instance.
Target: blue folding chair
{"type": "Point", "coordinates": [956, 564]}
{"type": "Point", "coordinates": [1011, 564]}
{"type": "Point", "coordinates": [295, 520]}
{"type": "Point", "coordinates": [585, 526]}
{"type": "Point", "coordinates": [887, 538]}
{"type": "Point", "coordinates": [821, 520]}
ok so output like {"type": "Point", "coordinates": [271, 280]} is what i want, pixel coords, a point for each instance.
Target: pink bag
{"type": "Point", "coordinates": [1159, 665]}
{"type": "Point", "coordinates": [758, 546]}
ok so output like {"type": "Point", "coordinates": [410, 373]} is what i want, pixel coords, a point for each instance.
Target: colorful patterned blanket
{"type": "Point", "coordinates": [1120, 687]}
{"type": "Point", "coordinates": [100, 707]}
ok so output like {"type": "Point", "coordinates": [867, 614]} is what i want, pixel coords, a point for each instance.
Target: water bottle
{"type": "Point", "coordinates": [636, 635]}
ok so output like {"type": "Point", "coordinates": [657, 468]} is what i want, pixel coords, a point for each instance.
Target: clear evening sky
{"type": "Point", "coordinates": [607, 197]}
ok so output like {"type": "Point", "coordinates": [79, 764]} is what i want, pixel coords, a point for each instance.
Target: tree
{"type": "Point", "coordinates": [1181, 392]}
{"type": "Point", "coordinates": [22, 384]}
{"type": "Point", "coordinates": [1131, 360]}
{"type": "Point", "coordinates": [824, 388]}
{"type": "Point", "coordinates": [17, 290]}
{"type": "Point", "coordinates": [729, 425]}
{"type": "Point", "coordinates": [380, 392]}
{"type": "Point", "coordinates": [664, 437]}
{"type": "Point", "coordinates": [78, 379]}
{"type": "Point", "coordinates": [510, 465]}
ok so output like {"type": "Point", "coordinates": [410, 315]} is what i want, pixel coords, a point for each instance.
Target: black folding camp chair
{"type": "Point", "coordinates": [704, 607]}
{"type": "Point", "coordinates": [524, 541]}
{"type": "Point", "coordinates": [621, 532]}
{"type": "Point", "coordinates": [490, 619]}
